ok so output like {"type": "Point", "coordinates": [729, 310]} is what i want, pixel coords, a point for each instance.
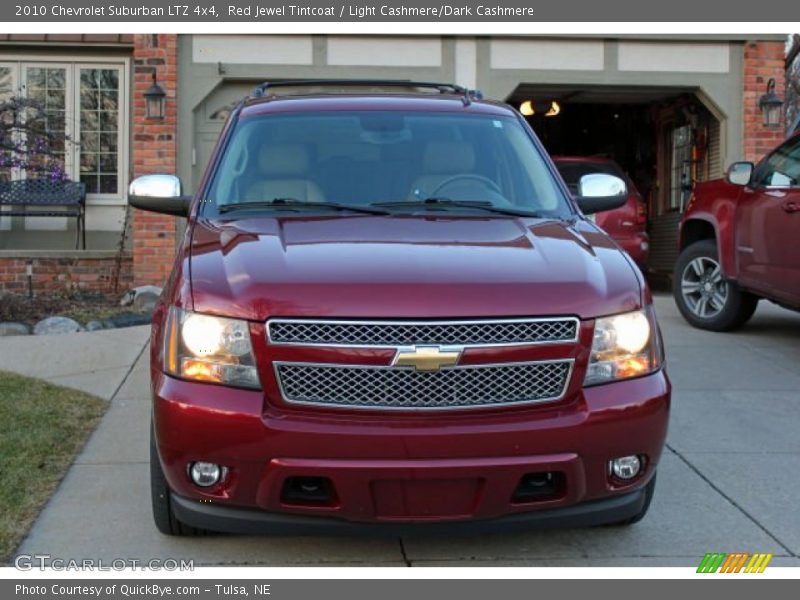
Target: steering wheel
{"type": "Point", "coordinates": [467, 177]}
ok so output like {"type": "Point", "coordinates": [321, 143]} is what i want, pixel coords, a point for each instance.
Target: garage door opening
{"type": "Point", "coordinates": [665, 139]}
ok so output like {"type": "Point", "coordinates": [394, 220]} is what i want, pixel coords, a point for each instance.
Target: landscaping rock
{"type": "Point", "coordinates": [95, 325]}
{"type": "Point", "coordinates": [130, 319]}
{"type": "Point", "coordinates": [56, 325]}
{"type": "Point", "coordinates": [143, 298]}
{"type": "Point", "coordinates": [8, 328]}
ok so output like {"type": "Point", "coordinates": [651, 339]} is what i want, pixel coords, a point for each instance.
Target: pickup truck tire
{"type": "Point", "coordinates": [163, 515]}
{"type": "Point", "coordinates": [705, 298]}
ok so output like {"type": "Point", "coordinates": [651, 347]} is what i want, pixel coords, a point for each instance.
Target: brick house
{"type": "Point", "coordinates": [670, 110]}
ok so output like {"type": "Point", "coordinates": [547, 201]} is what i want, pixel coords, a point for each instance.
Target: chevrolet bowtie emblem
{"type": "Point", "coordinates": [427, 358]}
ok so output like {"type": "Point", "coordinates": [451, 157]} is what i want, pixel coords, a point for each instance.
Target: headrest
{"type": "Point", "coordinates": [448, 157]}
{"type": "Point", "coordinates": [283, 159]}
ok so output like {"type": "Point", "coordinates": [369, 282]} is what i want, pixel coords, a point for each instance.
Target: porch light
{"type": "Point", "coordinates": [770, 105]}
{"type": "Point", "coordinates": [554, 109]}
{"type": "Point", "coordinates": [526, 108]}
{"type": "Point", "coordinates": [155, 99]}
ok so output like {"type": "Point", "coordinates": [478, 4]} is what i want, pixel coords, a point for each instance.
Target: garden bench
{"type": "Point", "coordinates": [46, 198]}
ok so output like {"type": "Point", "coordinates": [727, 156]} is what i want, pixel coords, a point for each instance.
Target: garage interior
{"type": "Point", "coordinates": [666, 139]}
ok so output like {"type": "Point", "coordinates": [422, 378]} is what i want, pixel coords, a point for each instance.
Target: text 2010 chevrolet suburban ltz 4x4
{"type": "Point", "coordinates": [389, 314]}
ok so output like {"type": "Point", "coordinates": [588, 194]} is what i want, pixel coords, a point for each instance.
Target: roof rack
{"type": "Point", "coordinates": [467, 95]}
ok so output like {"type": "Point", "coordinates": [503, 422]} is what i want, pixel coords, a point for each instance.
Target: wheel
{"type": "Point", "coordinates": [165, 520]}
{"type": "Point", "coordinates": [705, 298]}
{"type": "Point", "coordinates": [648, 498]}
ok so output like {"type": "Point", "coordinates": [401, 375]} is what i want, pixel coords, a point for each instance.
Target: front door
{"type": "Point", "coordinates": [768, 225]}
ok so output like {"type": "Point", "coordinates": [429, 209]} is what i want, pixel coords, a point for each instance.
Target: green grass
{"type": "Point", "coordinates": [42, 428]}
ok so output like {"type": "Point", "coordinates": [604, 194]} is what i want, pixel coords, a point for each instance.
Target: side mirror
{"type": "Point", "coordinates": [598, 192]}
{"type": "Point", "coordinates": [159, 193]}
{"type": "Point", "coordinates": [740, 173]}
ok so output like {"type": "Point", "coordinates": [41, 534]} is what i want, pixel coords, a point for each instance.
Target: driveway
{"type": "Point", "coordinates": [727, 482]}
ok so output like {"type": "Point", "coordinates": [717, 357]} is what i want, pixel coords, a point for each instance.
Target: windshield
{"type": "Point", "coordinates": [384, 158]}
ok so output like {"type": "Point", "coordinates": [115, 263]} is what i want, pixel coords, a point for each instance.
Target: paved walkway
{"type": "Point", "coordinates": [727, 481]}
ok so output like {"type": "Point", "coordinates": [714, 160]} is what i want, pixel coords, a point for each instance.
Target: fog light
{"type": "Point", "coordinates": [206, 474]}
{"type": "Point", "coordinates": [626, 467]}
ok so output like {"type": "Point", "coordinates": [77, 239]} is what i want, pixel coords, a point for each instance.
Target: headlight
{"type": "Point", "coordinates": [624, 346]}
{"type": "Point", "coordinates": [212, 349]}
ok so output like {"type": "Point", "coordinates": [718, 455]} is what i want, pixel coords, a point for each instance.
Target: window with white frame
{"type": "Point", "coordinates": [90, 100]}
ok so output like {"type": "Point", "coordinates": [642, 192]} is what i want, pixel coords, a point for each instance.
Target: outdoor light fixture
{"type": "Point", "coordinates": [554, 109]}
{"type": "Point", "coordinates": [155, 99]}
{"type": "Point", "coordinates": [770, 105]}
{"type": "Point", "coordinates": [528, 108]}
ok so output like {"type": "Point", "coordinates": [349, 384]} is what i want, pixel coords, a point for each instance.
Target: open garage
{"type": "Point", "coordinates": [664, 138]}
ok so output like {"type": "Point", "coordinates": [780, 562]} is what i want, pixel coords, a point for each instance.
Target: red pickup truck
{"type": "Point", "coordinates": [739, 242]}
{"type": "Point", "coordinates": [390, 313]}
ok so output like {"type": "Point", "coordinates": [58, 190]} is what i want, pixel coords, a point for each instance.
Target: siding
{"type": "Point", "coordinates": [664, 242]}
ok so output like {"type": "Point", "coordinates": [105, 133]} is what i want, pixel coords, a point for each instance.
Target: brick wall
{"type": "Point", "coordinates": [762, 61]}
{"type": "Point", "coordinates": [154, 151]}
{"type": "Point", "coordinates": [68, 274]}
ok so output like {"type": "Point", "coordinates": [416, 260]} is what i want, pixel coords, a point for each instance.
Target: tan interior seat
{"type": "Point", "coordinates": [284, 171]}
{"type": "Point", "coordinates": [440, 162]}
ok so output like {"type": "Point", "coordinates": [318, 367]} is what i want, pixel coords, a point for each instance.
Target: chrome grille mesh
{"type": "Point", "coordinates": [399, 333]}
{"type": "Point", "coordinates": [399, 388]}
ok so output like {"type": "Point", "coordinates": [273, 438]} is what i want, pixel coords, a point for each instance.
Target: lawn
{"type": "Point", "coordinates": [42, 428]}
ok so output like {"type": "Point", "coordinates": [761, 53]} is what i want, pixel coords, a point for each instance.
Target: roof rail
{"type": "Point", "coordinates": [443, 88]}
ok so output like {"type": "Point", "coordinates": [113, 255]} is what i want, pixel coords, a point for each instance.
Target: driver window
{"type": "Point", "coordinates": [781, 169]}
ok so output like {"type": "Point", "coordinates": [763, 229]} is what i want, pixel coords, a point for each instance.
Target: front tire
{"type": "Point", "coordinates": [705, 298]}
{"type": "Point", "coordinates": [164, 518]}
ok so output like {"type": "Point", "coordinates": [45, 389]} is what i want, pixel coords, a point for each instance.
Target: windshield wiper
{"type": "Point", "coordinates": [446, 202]}
{"type": "Point", "coordinates": [294, 203]}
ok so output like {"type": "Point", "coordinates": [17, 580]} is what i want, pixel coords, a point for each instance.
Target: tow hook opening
{"type": "Point", "coordinates": [314, 491]}
{"type": "Point", "coordinates": [535, 487]}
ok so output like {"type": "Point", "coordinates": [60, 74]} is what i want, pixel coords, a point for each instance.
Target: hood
{"type": "Point", "coordinates": [405, 266]}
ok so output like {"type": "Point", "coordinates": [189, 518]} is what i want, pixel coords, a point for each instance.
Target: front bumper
{"type": "Point", "coordinates": [248, 521]}
{"type": "Point", "coordinates": [393, 471]}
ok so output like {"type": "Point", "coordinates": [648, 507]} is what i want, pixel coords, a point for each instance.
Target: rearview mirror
{"type": "Point", "coordinates": [598, 192]}
{"type": "Point", "coordinates": [740, 173]}
{"type": "Point", "coordinates": [159, 193]}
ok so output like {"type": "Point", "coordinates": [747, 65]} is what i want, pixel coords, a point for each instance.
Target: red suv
{"type": "Point", "coordinates": [738, 242]}
{"type": "Point", "coordinates": [627, 225]}
{"type": "Point", "coordinates": [389, 313]}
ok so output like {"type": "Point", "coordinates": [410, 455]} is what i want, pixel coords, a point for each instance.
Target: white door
{"type": "Point", "coordinates": [49, 84]}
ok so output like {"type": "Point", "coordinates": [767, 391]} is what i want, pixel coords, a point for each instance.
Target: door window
{"type": "Point", "coordinates": [85, 101]}
{"type": "Point", "coordinates": [781, 169]}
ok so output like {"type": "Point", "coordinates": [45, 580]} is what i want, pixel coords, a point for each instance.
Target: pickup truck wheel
{"type": "Point", "coordinates": [163, 516]}
{"type": "Point", "coordinates": [705, 298]}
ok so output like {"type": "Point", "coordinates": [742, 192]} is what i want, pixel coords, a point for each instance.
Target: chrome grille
{"type": "Point", "coordinates": [358, 386]}
{"type": "Point", "coordinates": [503, 332]}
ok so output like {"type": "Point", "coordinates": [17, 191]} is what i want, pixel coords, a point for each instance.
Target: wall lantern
{"type": "Point", "coordinates": [770, 105]}
{"type": "Point", "coordinates": [155, 101]}
{"type": "Point", "coordinates": [528, 108]}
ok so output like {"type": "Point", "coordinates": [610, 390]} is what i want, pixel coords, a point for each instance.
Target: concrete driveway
{"type": "Point", "coordinates": [727, 482]}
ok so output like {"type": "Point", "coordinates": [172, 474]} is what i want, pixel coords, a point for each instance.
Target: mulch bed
{"type": "Point", "coordinates": [80, 307]}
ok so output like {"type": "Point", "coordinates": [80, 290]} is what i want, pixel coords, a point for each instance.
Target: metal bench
{"type": "Point", "coordinates": [46, 198]}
